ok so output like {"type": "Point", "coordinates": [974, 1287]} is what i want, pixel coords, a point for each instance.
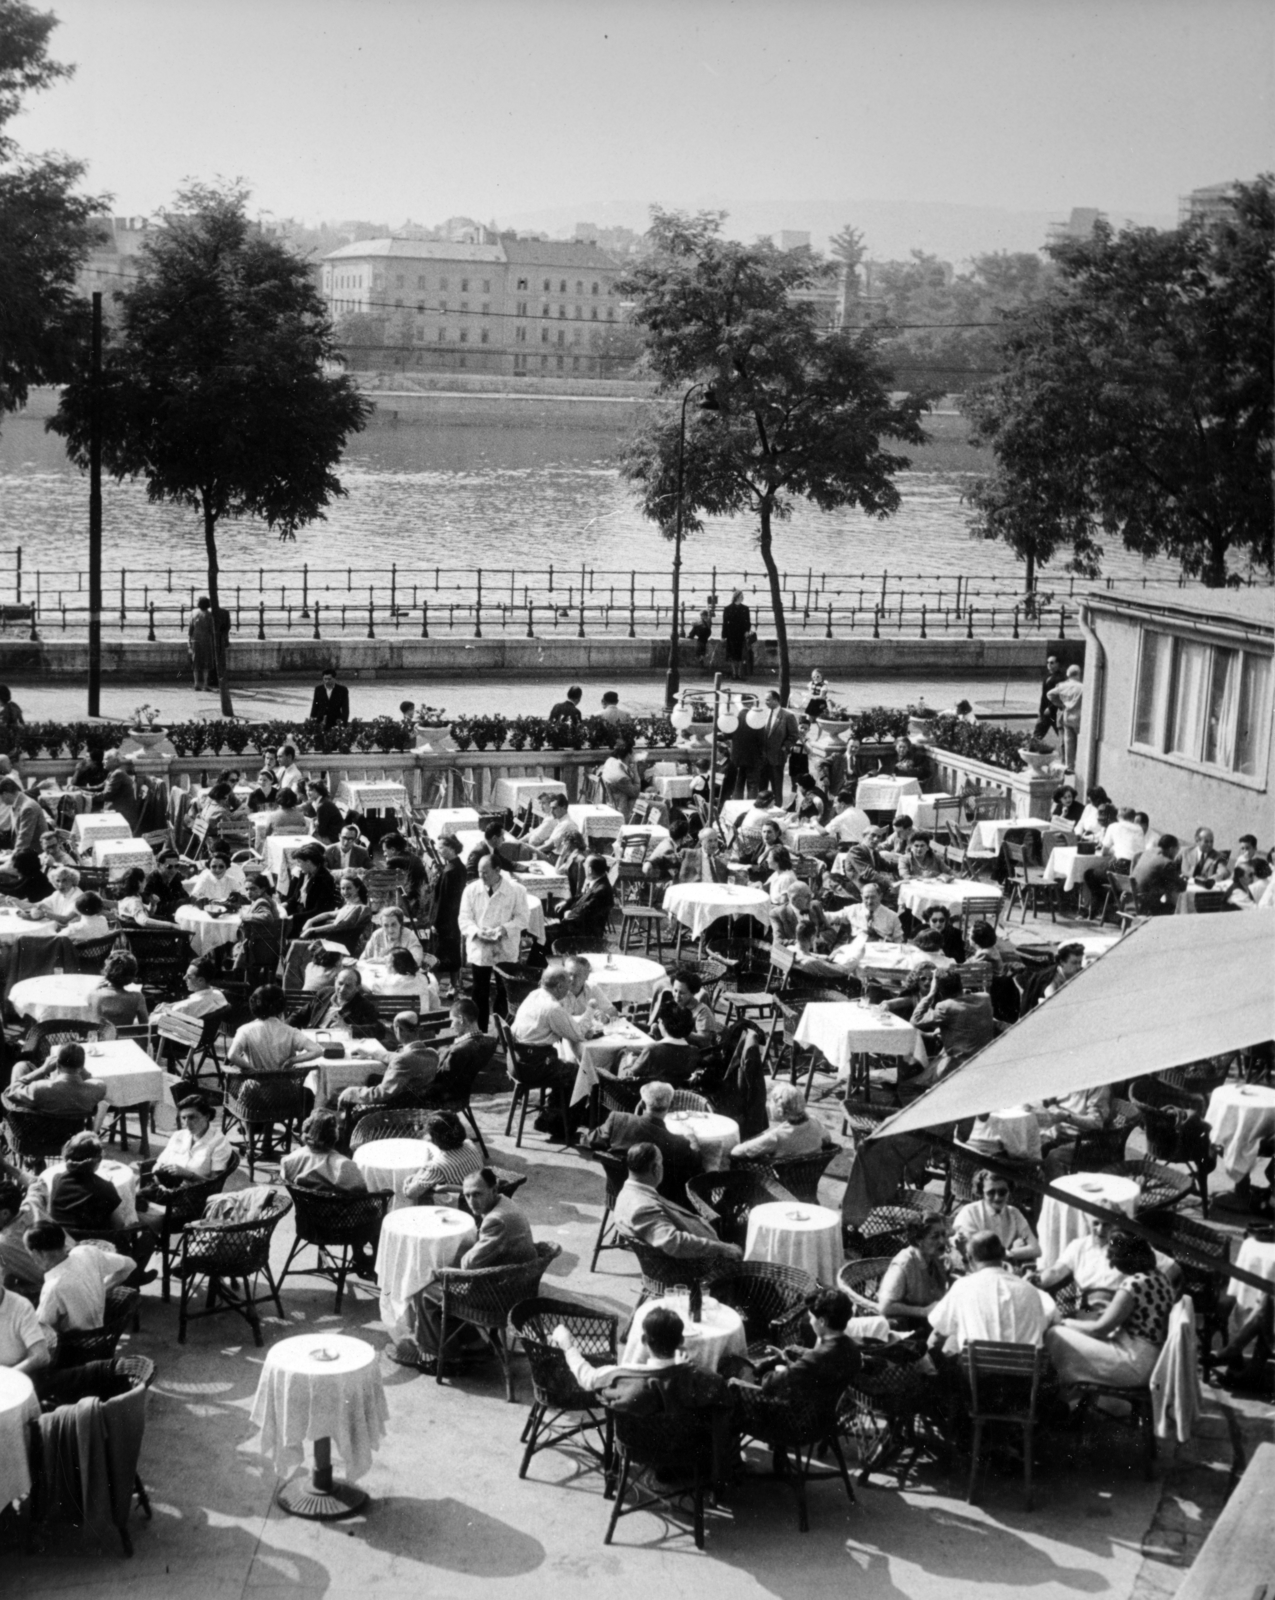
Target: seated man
{"type": "Point", "coordinates": [76, 1278]}
{"type": "Point", "coordinates": [1084, 1262]}
{"type": "Point", "coordinates": [808, 959]}
{"type": "Point", "coordinates": [869, 922]}
{"type": "Point", "coordinates": [583, 995]}
{"type": "Point", "coordinates": [642, 1213]}
{"type": "Point", "coordinates": [23, 1346]}
{"type": "Point", "coordinates": [75, 1194]}
{"type": "Point", "coordinates": [347, 854]}
{"type": "Point", "coordinates": [990, 1302]}
{"type": "Point", "coordinates": [17, 1265]}
{"type": "Point", "coordinates": [588, 914]}
{"type": "Point", "coordinates": [1157, 880]}
{"type": "Point", "coordinates": [549, 1035]}
{"type": "Point", "coordinates": [411, 1067]}
{"type": "Point", "coordinates": [201, 997]}
{"type": "Point", "coordinates": [819, 1373]}
{"type": "Point", "coordinates": [663, 1382]}
{"type": "Point", "coordinates": [962, 1023]}
{"type": "Point", "coordinates": [672, 1057]}
{"type": "Point", "coordinates": [1069, 961]}
{"type": "Point", "coordinates": [348, 1006]}
{"type": "Point", "coordinates": [469, 1053]}
{"type": "Point", "coordinates": [623, 1129]}
{"type": "Point", "coordinates": [60, 1085]}
{"type": "Point", "coordinates": [547, 837]}
{"type": "Point", "coordinates": [847, 822]}
{"type": "Point", "coordinates": [495, 843]}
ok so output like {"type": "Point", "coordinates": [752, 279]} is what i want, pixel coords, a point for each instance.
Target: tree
{"type": "Point", "coordinates": [1137, 399]}
{"type": "Point", "coordinates": [44, 225]}
{"type": "Point", "coordinates": [801, 414]}
{"type": "Point", "coordinates": [847, 247]}
{"type": "Point", "coordinates": [216, 389]}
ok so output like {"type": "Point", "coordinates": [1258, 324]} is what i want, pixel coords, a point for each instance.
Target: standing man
{"type": "Point", "coordinates": [1067, 696]}
{"type": "Point", "coordinates": [331, 703]}
{"type": "Point", "coordinates": [568, 710]}
{"type": "Point", "coordinates": [745, 760]}
{"type": "Point", "coordinates": [737, 622]}
{"type": "Point", "coordinates": [1047, 721]}
{"type": "Point", "coordinates": [781, 734]}
{"type": "Point", "coordinates": [493, 913]}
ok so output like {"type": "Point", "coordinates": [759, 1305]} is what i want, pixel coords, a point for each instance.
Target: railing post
{"type": "Point", "coordinates": [35, 607]}
{"type": "Point", "coordinates": [828, 634]}
{"type": "Point", "coordinates": [18, 577]}
{"type": "Point", "coordinates": [530, 630]}
{"type": "Point", "coordinates": [261, 619]}
{"type": "Point", "coordinates": [123, 617]}
{"type": "Point", "coordinates": [923, 619]}
{"type": "Point", "coordinates": [305, 588]}
{"type": "Point", "coordinates": [478, 606]}
{"type": "Point", "coordinates": [371, 628]}
{"type": "Point", "coordinates": [1016, 622]}
{"type": "Point", "coordinates": [876, 622]}
{"type": "Point", "coordinates": [969, 622]}
{"type": "Point", "coordinates": [393, 586]}
{"type": "Point", "coordinates": [316, 619]}
{"type": "Point", "coordinates": [424, 619]}
{"type": "Point", "coordinates": [632, 604]}
{"type": "Point", "coordinates": [1062, 622]}
{"type": "Point", "coordinates": [150, 637]}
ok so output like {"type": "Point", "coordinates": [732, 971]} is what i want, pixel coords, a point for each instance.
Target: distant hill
{"type": "Point", "coordinates": [891, 228]}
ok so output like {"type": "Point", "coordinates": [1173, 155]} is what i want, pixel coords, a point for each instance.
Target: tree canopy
{"type": "Point", "coordinates": [217, 387]}
{"type": "Point", "coordinates": [802, 413]}
{"type": "Point", "coordinates": [44, 225]}
{"type": "Point", "coordinates": [1137, 398]}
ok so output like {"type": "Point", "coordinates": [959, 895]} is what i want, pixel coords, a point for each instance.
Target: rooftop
{"type": "Point", "coordinates": [556, 253]}
{"type": "Point", "coordinates": [416, 250]}
{"type": "Point", "coordinates": [1251, 607]}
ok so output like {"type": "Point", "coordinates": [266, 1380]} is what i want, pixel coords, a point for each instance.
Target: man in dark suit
{"type": "Point", "coordinates": [312, 890]}
{"type": "Point", "coordinates": [664, 1382]}
{"type": "Point", "coordinates": [331, 702]}
{"type": "Point", "coordinates": [347, 854]}
{"type": "Point", "coordinates": [623, 1129]}
{"type": "Point", "coordinates": [644, 1214]}
{"type": "Point", "coordinates": [1047, 720]}
{"type": "Point", "coordinates": [780, 735]}
{"type": "Point", "coordinates": [469, 1053]}
{"type": "Point", "coordinates": [587, 915]}
{"type": "Point", "coordinates": [744, 761]}
{"type": "Point", "coordinates": [347, 1006]}
{"type": "Point", "coordinates": [447, 895]}
{"type": "Point", "coordinates": [822, 1372]}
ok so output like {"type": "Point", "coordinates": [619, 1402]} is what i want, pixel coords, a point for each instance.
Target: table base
{"type": "Point", "coordinates": [321, 1497]}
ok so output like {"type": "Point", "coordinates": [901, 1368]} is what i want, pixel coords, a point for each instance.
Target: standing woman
{"type": "Point", "coordinates": [737, 621]}
{"type": "Point", "coordinates": [10, 720]}
{"type": "Point", "coordinates": [202, 642]}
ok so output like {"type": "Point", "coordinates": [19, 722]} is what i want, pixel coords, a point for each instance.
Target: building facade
{"type": "Point", "coordinates": [1177, 715]}
{"type": "Point", "coordinates": [535, 307]}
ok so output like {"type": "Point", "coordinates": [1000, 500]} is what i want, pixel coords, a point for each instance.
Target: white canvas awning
{"type": "Point", "coordinates": [1174, 991]}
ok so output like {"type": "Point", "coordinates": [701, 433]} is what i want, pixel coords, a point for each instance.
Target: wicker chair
{"type": "Point", "coordinates": [403, 1123]}
{"type": "Point", "coordinates": [861, 1280]}
{"type": "Point", "coordinates": [1203, 1254]}
{"type": "Point", "coordinates": [162, 958]}
{"type": "Point", "coordinates": [801, 1177]}
{"type": "Point", "coordinates": [794, 1428]}
{"type": "Point", "coordinates": [482, 1298]}
{"type": "Point", "coordinates": [661, 1272]}
{"type": "Point", "coordinates": [1175, 1131]}
{"type": "Point", "coordinates": [44, 1037]}
{"type": "Point", "coordinates": [770, 1298]}
{"type": "Point", "coordinates": [232, 1256]}
{"type": "Point", "coordinates": [724, 1199]}
{"type": "Point", "coordinates": [517, 982]}
{"type": "Point", "coordinates": [615, 1171]}
{"type": "Point", "coordinates": [618, 1094]}
{"type": "Point", "coordinates": [77, 1346]}
{"type": "Point", "coordinates": [662, 1459]}
{"type": "Point", "coordinates": [34, 1136]}
{"type": "Point", "coordinates": [177, 1207]}
{"type": "Point", "coordinates": [560, 1408]}
{"type": "Point", "coordinates": [1100, 1148]}
{"type": "Point", "coordinates": [91, 954]}
{"type": "Point", "coordinates": [265, 1100]}
{"type": "Point", "coordinates": [893, 1408]}
{"type": "Point", "coordinates": [336, 1222]}
{"type": "Point", "coordinates": [884, 1228]}
{"type": "Point", "coordinates": [1161, 1189]}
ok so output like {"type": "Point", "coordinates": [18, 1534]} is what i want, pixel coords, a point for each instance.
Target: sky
{"type": "Point", "coordinates": [389, 109]}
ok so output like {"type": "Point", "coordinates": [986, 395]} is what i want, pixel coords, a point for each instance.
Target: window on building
{"type": "Point", "coordinates": [546, 310]}
{"type": "Point", "coordinates": [548, 285]}
{"type": "Point", "coordinates": [575, 335]}
{"type": "Point", "coordinates": [575, 363]}
{"type": "Point", "coordinates": [522, 308]}
{"type": "Point", "coordinates": [520, 363]}
{"type": "Point", "coordinates": [464, 285]}
{"type": "Point", "coordinates": [486, 288]}
{"type": "Point", "coordinates": [485, 336]}
{"type": "Point", "coordinates": [464, 335]}
{"type": "Point", "coordinates": [544, 363]}
{"type": "Point", "coordinates": [520, 335]}
{"type": "Point", "coordinates": [398, 282]}
{"type": "Point", "coordinates": [593, 313]}
{"type": "Point", "coordinates": [544, 336]}
{"type": "Point", "coordinates": [561, 363]}
{"type": "Point", "coordinates": [562, 287]}
{"type": "Point", "coordinates": [462, 361]}
{"type": "Point", "coordinates": [562, 337]}
{"type": "Point", "coordinates": [610, 313]}
{"type": "Point", "coordinates": [1201, 702]}
{"type": "Point", "coordinates": [579, 287]}
{"type": "Point", "coordinates": [562, 311]}
{"type": "Point", "coordinates": [442, 336]}
{"type": "Point", "coordinates": [594, 289]}
{"type": "Point", "coordinates": [420, 282]}
{"type": "Point", "coordinates": [524, 283]}
{"type": "Point", "coordinates": [487, 308]}
{"type": "Point", "coordinates": [442, 283]}
{"type": "Point", "coordinates": [464, 305]}
{"type": "Point", "coordinates": [442, 305]}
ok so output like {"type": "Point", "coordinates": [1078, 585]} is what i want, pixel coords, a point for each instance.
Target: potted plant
{"type": "Point", "coordinates": [145, 729]}
{"type": "Point", "coordinates": [920, 722]}
{"type": "Point", "coordinates": [1036, 755]}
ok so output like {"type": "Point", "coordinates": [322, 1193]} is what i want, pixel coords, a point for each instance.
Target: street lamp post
{"type": "Point", "coordinates": [673, 681]}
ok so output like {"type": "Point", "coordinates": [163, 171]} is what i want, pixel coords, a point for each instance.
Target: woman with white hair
{"type": "Point", "coordinates": [792, 1133]}
{"type": "Point", "coordinates": [393, 934]}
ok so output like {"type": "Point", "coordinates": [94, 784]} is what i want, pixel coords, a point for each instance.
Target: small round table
{"type": "Point", "coordinates": [1258, 1257]}
{"type": "Point", "coordinates": [1241, 1115]}
{"type": "Point", "coordinates": [1060, 1224]}
{"type": "Point", "coordinates": [208, 932]}
{"type": "Point", "coordinates": [389, 1163]}
{"type": "Point", "coordinates": [697, 906]}
{"type": "Point", "coordinates": [321, 1389]}
{"type": "Point", "coordinates": [716, 1135]}
{"type": "Point", "coordinates": [416, 1242]}
{"type": "Point", "coordinates": [625, 979]}
{"type": "Point", "coordinates": [718, 1333]}
{"type": "Point", "coordinates": [791, 1234]}
{"type": "Point", "coordinates": [58, 996]}
{"type": "Point", "coordinates": [18, 1406]}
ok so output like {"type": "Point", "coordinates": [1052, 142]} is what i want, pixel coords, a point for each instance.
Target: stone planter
{"type": "Point", "coordinates": [1037, 761]}
{"type": "Point", "coordinates": [920, 729]}
{"type": "Point", "coordinates": [148, 738]}
{"type": "Point", "coordinates": [697, 739]}
{"type": "Point", "coordinates": [832, 736]}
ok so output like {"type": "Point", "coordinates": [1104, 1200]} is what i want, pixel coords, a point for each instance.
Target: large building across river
{"type": "Point", "coordinates": [540, 307]}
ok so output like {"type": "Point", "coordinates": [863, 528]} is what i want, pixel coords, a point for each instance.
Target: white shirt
{"type": "Point", "coordinates": [884, 922]}
{"type": "Point", "coordinates": [204, 886]}
{"type": "Point", "coordinates": [849, 825]}
{"type": "Point", "coordinates": [1067, 695]}
{"type": "Point", "coordinates": [1124, 840]}
{"type": "Point", "coordinates": [541, 1019]}
{"type": "Point", "coordinates": [993, 1304]}
{"type": "Point", "coordinates": [293, 778]}
{"type": "Point", "coordinates": [209, 1154]}
{"type": "Point", "coordinates": [74, 1292]}
{"type": "Point", "coordinates": [550, 833]}
{"type": "Point", "coordinates": [20, 1330]}
{"type": "Point", "coordinates": [504, 910]}
{"type": "Point", "coordinates": [61, 903]}
{"type": "Point", "coordinates": [1086, 1259]}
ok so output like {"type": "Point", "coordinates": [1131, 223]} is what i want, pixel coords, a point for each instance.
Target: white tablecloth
{"type": "Point", "coordinates": [718, 1333]}
{"type": "Point", "coordinates": [1240, 1115]}
{"type": "Point", "coordinates": [58, 996]}
{"type": "Point", "coordinates": [1258, 1257]}
{"type": "Point", "coordinates": [207, 933]}
{"type": "Point", "coordinates": [129, 1074]}
{"type": "Point", "coordinates": [602, 1052]}
{"type": "Point", "coordinates": [277, 853]}
{"type": "Point", "coordinates": [633, 834]}
{"type": "Point", "coordinates": [675, 788]}
{"type": "Point", "coordinates": [389, 1163]}
{"type": "Point", "coordinates": [345, 1072]}
{"type": "Point", "coordinates": [697, 906]}
{"type": "Point", "coordinates": [14, 927]}
{"type": "Point", "coordinates": [919, 895]}
{"type": "Point", "coordinates": [1066, 865]}
{"type": "Point", "coordinates": [920, 807]}
{"type": "Point", "coordinates": [447, 819]}
{"type": "Point", "coordinates": [596, 822]}
{"type": "Point", "coordinates": [842, 1030]}
{"type": "Point", "coordinates": [987, 837]}
{"type": "Point", "coordinates": [415, 1243]}
{"type": "Point", "coordinates": [367, 795]}
{"type": "Point", "coordinates": [626, 979]}
{"type": "Point", "coordinates": [882, 957]}
{"type": "Point", "coordinates": [119, 856]}
{"type": "Point", "coordinates": [794, 1235]}
{"type": "Point", "coordinates": [18, 1406]}
{"type": "Point", "coordinates": [539, 879]}
{"type": "Point", "coordinates": [716, 1135]}
{"type": "Point", "coordinates": [92, 825]}
{"type": "Point", "coordinates": [301, 1397]}
{"type": "Point", "coordinates": [884, 794]}
{"type": "Point", "coordinates": [808, 841]}
{"type": "Point", "coordinates": [1060, 1224]}
{"type": "Point", "coordinates": [514, 793]}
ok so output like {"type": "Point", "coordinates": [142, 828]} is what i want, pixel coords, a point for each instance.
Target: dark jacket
{"type": "Point", "coordinates": [360, 859]}
{"type": "Point", "coordinates": [447, 897]}
{"type": "Point", "coordinates": [311, 895]}
{"type": "Point", "coordinates": [664, 1063]}
{"type": "Point", "coordinates": [588, 914]}
{"type": "Point", "coordinates": [330, 709]}
{"type": "Point", "coordinates": [818, 1374]}
{"type": "Point", "coordinates": [652, 1391]}
{"type": "Point", "coordinates": [359, 1015]}
{"type": "Point", "coordinates": [458, 1068]}
{"type": "Point", "coordinates": [623, 1129]}
{"type": "Point", "coordinates": [736, 621]}
{"type": "Point", "coordinates": [328, 820]}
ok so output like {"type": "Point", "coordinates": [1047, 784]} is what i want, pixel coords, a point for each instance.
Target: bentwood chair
{"type": "Point", "coordinates": [1004, 1387]}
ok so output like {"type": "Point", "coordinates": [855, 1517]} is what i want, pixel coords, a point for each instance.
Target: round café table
{"type": "Point", "coordinates": [322, 1389]}
{"type": "Point", "coordinates": [791, 1234]}
{"type": "Point", "coordinates": [885, 793]}
{"type": "Point", "coordinates": [1241, 1115]}
{"type": "Point", "coordinates": [416, 1243]}
{"type": "Point", "coordinates": [716, 1135]}
{"type": "Point", "coordinates": [841, 1030]}
{"type": "Point", "coordinates": [923, 895]}
{"type": "Point", "coordinates": [12, 927]}
{"type": "Point", "coordinates": [511, 794]}
{"type": "Point", "coordinates": [208, 931]}
{"type": "Point", "coordinates": [447, 819]}
{"type": "Point", "coordinates": [697, 906]}
{"type": "Point", "coordinates": [625, 979]}
{"type": "Point", "coordinates": [1060, 1223]}
{"type": "Point", "coordinates": [59, 996]}
{"type": "Point", "coordinates": [1258, 1257]}
{"type": "Point", "coordinates": [92, 825]}
{"type": "Point", "coordinates": [389, 1163]}
{"type": "Point", "coordinates": [719, 1332]}
{"type": "Point", "coordinates": [18, 1407]}
{"type": "Point", "coordinates": [119, 856]}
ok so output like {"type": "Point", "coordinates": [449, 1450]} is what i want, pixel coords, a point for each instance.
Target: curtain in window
{"type": "Point", "coordinates": [1224, 693]}
{"type": "Point", "coordinates": [1191, 683]}
{"type": "Point", "coordinates": [1251, 715]}
{"type": "Point", "coordinates": [1153, 680]}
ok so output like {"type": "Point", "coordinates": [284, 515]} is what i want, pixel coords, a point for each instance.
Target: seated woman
{"type": "Point", "coordinates": [1088, 826]}
{"type": "Point", "coordinates": [221, 804]}
{"type": "Point", "coordinates": [663, 859]}
{"type": "Point", "coordinates": [910, 761]}
{"type": "Point", "coordinates": [289, 818]}
{"type": "Point", "coordinates": [406, 978]}
{"type": "Point", "coordinates": [992, 1213]}
{"type": "Point", "coordinates": [571, 859]}
{"type": "Point", "coordinates": [391, 935]}
{"type": "Point", "coordinates": [218, 884]}
{"type": "Point", "coordinates": [350, 917]}
{"type": "Point", "coordinates": [1067, 809]}
{"type": "Point", "coordinates": [196, 1152]}
{"type": "Point", "coordinates": [264, 1046]}
{"type": "Point", "coordinates": [620, 779]}
{"type": "Point", "coordinates": [319, 1164]}
{"type": "Point", "coordinates": [59, 906]}
{"type": "Point", "coordinates": [1122, 1346]}
{"type": "Point", "coordinates": [939, 923]}
{"type": "Point", "coordinates": [789, 895]}
{"type": "Point", "coordinates": [916, 1280]}
{"type": "Point", "coordinates": [448, 1164]}
{"type": "Point", "coordinates": [114, 1002]}
{"type": "Point", "coordinates": [792, 1133]}
{"type": "Point", "coordinates": [919, 860]}
{"type": "Point", "coordinates": [265, 797]}
{"type": "Point", "coordinates": [90, 920]}
{"type": "Point", "coordinates": [320, 969]}
{"type": "Point", "coordinates": [326, 819]}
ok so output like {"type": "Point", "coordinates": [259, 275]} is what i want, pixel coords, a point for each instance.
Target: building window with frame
{"type": "Point", "coordinates": [420, 282]}
{"type": "Point", "coordinates": [464, 285]}
{"type": "Point", "coordinates": [1202, 703]}
{"type": "Point", "coordinates": [544, 336]}
{"type": "Point", "coordinates": [442, 306]}
{"type": "Point", "coordinates": [523, 284]}
{"type": "Point", "coordinates": [562, 339]}
{"type": "Point", "coordinates": [610, 313]}
{"type": "Point", "coordinates": [594, 289]}
{"type": "Point", "coordinates": [487, 308]}
{"type": "Point", "coordinates": [442, 283]}
{"type": "Point", "coordinates": [546, 310]}
{"type": "Point", "coordinates": [548, 285]}
{"type": "Point", "coordinates": [579, 286]}
{"type": "Point", "coordinates": [484, 336]}
{"type": "Point", "coordinates": [522, 308]}
{"type": "Point", "coordinates": [520, 336]}
{"type": "Point", "coordinates": [520, 363]}
{"type": "Point", "coordinates": [486, 285]}
{"type": "Point", "coordinates": [464, 335]}
{"type": "Point", "coordinates": [562, 286]}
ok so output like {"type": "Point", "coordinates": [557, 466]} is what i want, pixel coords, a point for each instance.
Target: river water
{"type": "Point", "coordinates": [463, 495]}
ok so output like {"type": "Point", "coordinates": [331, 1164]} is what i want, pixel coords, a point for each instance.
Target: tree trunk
{"type": "Point", "coordinates": [1029, 587]}
{"type": "Point", "coordinates": [1213, 572]}
{"type": "Point", "coordinates": [219, 646]}
{"type": "Point", "coordinates": [776, 601]}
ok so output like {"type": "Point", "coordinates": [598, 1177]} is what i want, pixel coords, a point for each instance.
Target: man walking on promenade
{"type": "Point", "coordinates": [331, 703]}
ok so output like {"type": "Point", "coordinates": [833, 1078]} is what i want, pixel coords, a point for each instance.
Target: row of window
{"type": "Point", "coordinates": [1202, 703]}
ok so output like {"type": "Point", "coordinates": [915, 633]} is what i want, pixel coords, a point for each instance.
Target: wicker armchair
{"type": "Point", "coordinates": [770, 1298]}
{"type": "Point", "coordinates": [884, 1228]}
{"type": "Point", "coordinates": [42, 1038]}
{"type": "Point", "coordinates": [177, 1207]}
{"type": "Point", "coordinates": [618, 1094]}
{"type": "Point", "coordinates": [662, 1459]}
{"type": "Point", "coordinates": [560, 1408]}
{"type": "Point", "coordinates": [891, 1408]}
{"type": "Point", "coordinates": [794, 1428]}
{"type": "Point", "coordinates": [162, 958]}
{"type": "Point", "coordinates": [266, 1100]}
{"type": "Point", "coordinates": [801, 1177]}
{"type": "Point", "coordinates": [1161, 1189]}
{"type": "Point", "coordinates": [861, 1280]}
{"type": "Point", "coordinates": [482, 1298]}
{"type": "Point", "coordinates": [1099, 1149]}
{"type": "Point", "coordinates": [403, 1123]}
{"type": "Point", "coordinates": [232, 1256]}
{"type": "Point", "coordinates": [724, 1199]}
{"type": "Point", "coordinates": [35, 1136]}
{"type": "Point", "coordinates": [1175, 1131]}
{"type": "Point", "coordinates": [91, 954]}
{"type": "Point", "coordinates": [1203, 1254]}
{"type": "Point", "coordinates": [77, 1346]}
{"type": "Point", "coordinates": [688, 1100]}
{"type": "Point", "coordinates": [338, 1223]}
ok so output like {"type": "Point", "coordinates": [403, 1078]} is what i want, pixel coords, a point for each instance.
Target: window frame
{"type": "Point", "coordinates": [1215, 642]}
